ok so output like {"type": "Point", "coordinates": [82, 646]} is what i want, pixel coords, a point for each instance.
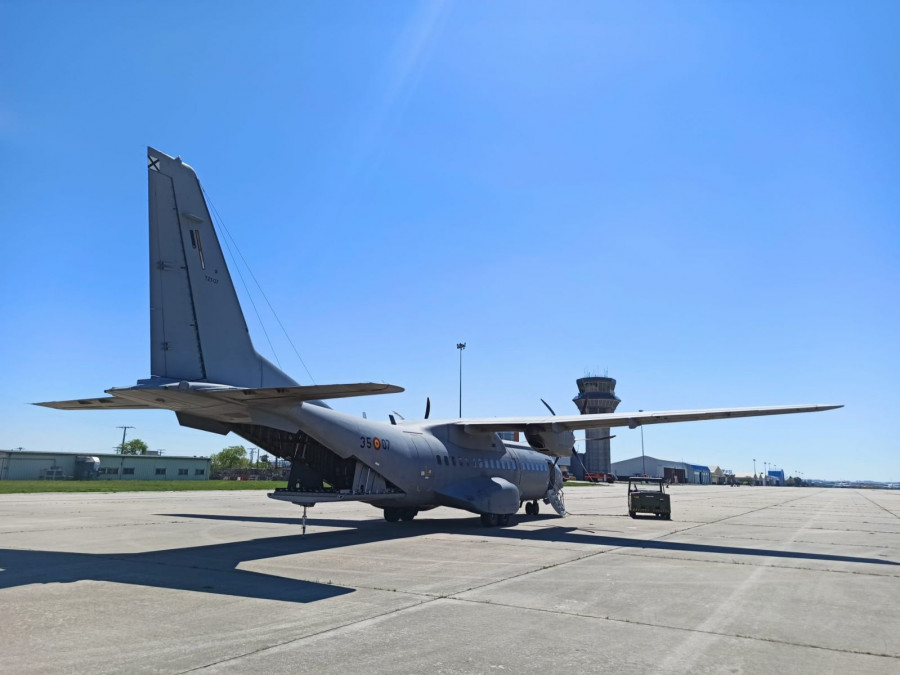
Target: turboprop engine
{"type": "Point", "coordinates": [554, 443]}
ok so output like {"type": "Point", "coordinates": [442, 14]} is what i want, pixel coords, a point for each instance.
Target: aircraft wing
{"type": "Point", "coordinates": [625, 419]}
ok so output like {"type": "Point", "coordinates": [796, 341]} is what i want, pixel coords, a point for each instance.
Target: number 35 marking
{"type": "Point", "coordinates": [377, 443]}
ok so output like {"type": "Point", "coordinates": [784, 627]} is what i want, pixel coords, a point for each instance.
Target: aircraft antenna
{"type": "Point", "coordinates": [228, 236]}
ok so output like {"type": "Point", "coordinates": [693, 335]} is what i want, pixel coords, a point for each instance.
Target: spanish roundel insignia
{"type": "Point", "coordinates": [376, 443]}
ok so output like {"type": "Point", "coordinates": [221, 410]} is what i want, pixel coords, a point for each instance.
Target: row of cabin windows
{"type": "Point", "coordinates": [445, 460]}
{"type": "Point", "coordinates": [129, 471]}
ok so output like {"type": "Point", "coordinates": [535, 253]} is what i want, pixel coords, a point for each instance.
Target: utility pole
{"type": "Point", "coordinates": [124, 431]}
{"type": "Point", "coordinates": [460, 346]}
{"type": "Point", "coordinates": [754, 470]}
{"type": "Point", "coordinates": [643, 463]}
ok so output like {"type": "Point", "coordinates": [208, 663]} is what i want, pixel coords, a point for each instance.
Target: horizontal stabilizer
{"type": "Point", "coordinates": [105, 403]}
{"type": "Point", "coordinates": [183, 396]}
{"type": "Point", "coordinates": [626, 419]}
{"type": "Point", "coordinates": [316, 392]}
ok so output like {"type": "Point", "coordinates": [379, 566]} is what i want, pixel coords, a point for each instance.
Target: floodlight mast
{"type": "Point", "coordinates": [460, 346]}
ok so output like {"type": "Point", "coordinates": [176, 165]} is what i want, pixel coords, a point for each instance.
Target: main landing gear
{"type": "Point", "coordinates": [532, 508]}
{"type": "Point", "coordinates": [499, 519]}
{"type": "Point", "coordinates": [393, 513]}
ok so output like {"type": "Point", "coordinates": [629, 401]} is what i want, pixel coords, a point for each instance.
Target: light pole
{"type": "Point", "coordinates": [754, 470]}
{"type": "Point", "coordinates": [643, 464]}
{"type": "Point", "coordinates": [460, 346]}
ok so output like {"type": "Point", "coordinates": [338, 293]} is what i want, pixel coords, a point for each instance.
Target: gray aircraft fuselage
{"type": "Point", "coordinates": [427, 458]}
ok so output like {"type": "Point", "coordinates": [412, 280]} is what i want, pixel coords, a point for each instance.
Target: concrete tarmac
{"type": "Point", "coordinates": [741, 580]}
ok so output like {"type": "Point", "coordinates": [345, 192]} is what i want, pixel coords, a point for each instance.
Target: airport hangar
{"type": "Point", "coordinates": [680, 472]}
{"type": "Point", "coordinates": [27, 465]}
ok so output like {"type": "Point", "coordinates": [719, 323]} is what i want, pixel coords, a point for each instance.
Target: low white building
{"type": "Point", "coordinates": [25, 465]}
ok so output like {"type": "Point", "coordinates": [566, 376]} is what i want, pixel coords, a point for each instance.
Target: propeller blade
{"type": "Point", "coordinates": [398, 414]}
{"type": "Point", "coordinates": [548, 407]}
{"type": "Point", "coordinates": [427, 406]}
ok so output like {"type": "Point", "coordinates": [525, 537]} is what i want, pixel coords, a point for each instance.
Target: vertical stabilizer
{"type": "Point", "coordinates": [197, 328]}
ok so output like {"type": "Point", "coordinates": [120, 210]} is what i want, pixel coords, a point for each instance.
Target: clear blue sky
{"type": "Point", "coordinates": [699, 198]}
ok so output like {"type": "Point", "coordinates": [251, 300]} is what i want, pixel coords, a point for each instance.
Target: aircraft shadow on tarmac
{"type": "Point", "coordinates": [204, 569]}
{"type": "Point", "coordinates": [369, 531]}
{"type": "Point", "coordinates": [214, 568]}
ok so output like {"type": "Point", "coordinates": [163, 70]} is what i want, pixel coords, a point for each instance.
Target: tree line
{"type": "Point", "coordinates": [232, 457]}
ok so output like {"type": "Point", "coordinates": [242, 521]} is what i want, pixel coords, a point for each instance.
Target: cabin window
{"type": "Point", "coordinates": [453, 461]}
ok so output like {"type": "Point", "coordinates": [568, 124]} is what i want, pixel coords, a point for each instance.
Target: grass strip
{"type": "Point", "coordinates": [28, 486]}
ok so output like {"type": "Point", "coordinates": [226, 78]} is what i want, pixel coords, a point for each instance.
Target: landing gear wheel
{"type": "Point", "coordinates": [408, 514]}
{"type": "Point", "coordinates": [392, 514]}
{"type": "Point", "coordinates": [489, 519]}
{"type": "Point", "coordinates": [532, 508]}
{"type": "Point", "coordinates": [503, 520]}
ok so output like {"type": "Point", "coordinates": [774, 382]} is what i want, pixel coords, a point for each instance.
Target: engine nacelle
{"type": "Point", "coordinates": [554, 443]}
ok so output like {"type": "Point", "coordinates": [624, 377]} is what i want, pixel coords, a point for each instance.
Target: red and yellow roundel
{"type": "Point", "coordinates": [376, 443]}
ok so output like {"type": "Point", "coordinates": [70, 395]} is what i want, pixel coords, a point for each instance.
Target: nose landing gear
{"type": "Point", "coordinates": [499, 519]}
{"type": "Point", "coordinates": [394, 513]}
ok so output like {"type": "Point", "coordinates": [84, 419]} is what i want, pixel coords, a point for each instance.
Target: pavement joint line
{"type": "Point", "coordinates": [884, 508]}
{"type": "Point", "coordinates": [300, 638]}
{"type": "Point", "coordinates": [754, 564]}
{"type": "Point", "coordinates": [740, 636]}
{"type": "Point", "coordinates": [798, 541]}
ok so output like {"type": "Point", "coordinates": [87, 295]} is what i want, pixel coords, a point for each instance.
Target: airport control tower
{"type": "Point", "coordinates": [596, 395]}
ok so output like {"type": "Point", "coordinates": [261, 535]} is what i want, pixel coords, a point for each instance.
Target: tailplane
{"type": "Point", "coordinates": [197, 329]}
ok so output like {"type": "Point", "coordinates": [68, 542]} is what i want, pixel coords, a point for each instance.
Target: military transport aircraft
{"type": "Point", "coordinates": [203, 366]}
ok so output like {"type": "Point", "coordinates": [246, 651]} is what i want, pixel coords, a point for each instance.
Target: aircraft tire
{"type": "Point", "coordinates": [408, 514]}
{"type": "Point", "coordinates": [535, 507]}
{"type": "Point", "coordinates": [489, 519]}
{"type": "Point", "coordinates": [529, 509]}
{"type": "Point", "coordinates": [392, 514]}
{"type": "Point", "coordinates": [504, 520]}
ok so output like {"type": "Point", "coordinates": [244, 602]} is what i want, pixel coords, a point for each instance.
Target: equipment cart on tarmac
{"type": "Point", "coordinates": [648, 495]}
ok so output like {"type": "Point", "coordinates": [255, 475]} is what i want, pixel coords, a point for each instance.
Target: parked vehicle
{"type": "Point", "coordinates": [648, 495]}
{"type": "Point", "coordinates": [595, 477]}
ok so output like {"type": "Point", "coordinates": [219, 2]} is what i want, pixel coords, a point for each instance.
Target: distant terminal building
{"type": "Point", "coordinates": [596, 395]}
{"type": "Point", "coordinates": [676, 472]}
{"type": "Point", "coordinates": [25, 465]}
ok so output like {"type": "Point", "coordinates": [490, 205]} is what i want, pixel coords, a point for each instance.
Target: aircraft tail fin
{"type": "Point", "coordinates": [197, 329]}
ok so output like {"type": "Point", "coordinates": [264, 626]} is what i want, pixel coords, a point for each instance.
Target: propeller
{"type": "Point", "coordinates": [427, 406]}
{"type": "Point", "coordinates": [574, 453]}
